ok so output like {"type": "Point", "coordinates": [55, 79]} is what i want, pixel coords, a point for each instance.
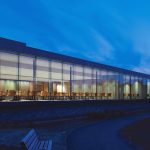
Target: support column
{"type": "Point", "coordinates": [96, 85]}
{"type": "Point", "coordinates": [18, 77]}
{"type": "Point", "coordinates": [130, 88]}
{"type": "Point", "coordinates": [70, 83]}
{"type": "Point", "coordinates": [34, 79]}
{"type": "Point", "coordinates": [49, 85]}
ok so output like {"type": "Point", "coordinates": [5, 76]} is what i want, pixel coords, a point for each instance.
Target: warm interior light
{"type": "Point", "coordinates": [61, 88]}
{"type": "Point", "coordinates": [127, 88]}
{"type": "Point", "coordinates": [136, 87]}
{"type": "Point", "coordinates": [9, 85]}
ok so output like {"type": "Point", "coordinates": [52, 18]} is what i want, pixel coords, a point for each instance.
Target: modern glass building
{"type": "Point", "coordinates": [30, 73]}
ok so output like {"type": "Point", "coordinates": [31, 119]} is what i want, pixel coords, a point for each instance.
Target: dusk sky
{"type": "Point", "coordinates": [113, 32]}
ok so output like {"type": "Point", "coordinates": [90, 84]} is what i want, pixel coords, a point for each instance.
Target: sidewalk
{"type": "Point", "coordinates": [103, 135]}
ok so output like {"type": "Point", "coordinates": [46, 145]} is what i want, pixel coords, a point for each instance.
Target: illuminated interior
{"type": "Point", "coordinates": [28, 77]}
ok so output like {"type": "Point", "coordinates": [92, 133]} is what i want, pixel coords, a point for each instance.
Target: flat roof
{"type": "Point", "coordinates": [21, 48]}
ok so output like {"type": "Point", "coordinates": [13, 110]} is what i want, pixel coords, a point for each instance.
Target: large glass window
{"type": "Point", "coordinates": [26, 68]}
{"type": "Point", "coordinates": [98, 84]}
{"type": "Point", "coordinates": [26, 71]}
{"type": "Point", "coordinates": [148, 88]}
{"type": "Point", "coordinates": [126, 81]}
{"type": "Point", "coordinates": [67, 78]}
{"type": "Point", "coordinates": [121, 86]}
{"type": "Point", "coordinates": [78, 81]}
{"type": "Point", "coordinates": [42, 77]}
{"type": "Point", "coordinates": [94, 82]}
{"type": "Point", "coordinates": [8, 89]}
{"type": "Point", "coordinates": [42, 70]}
{"type": "Point", "coordinates": [23, 75]}
{"type": "Point", "coordinates": [25, 89]}
{"type": "Point", "coordinates": [8, 66]}
{"type": "Point", "coordinates": [112, 86]}
{"type": "Point", "coordinates": [144, 88]}
{"type": "Point", "coordinates": [139, 90]}
{"type": "Point", "coordinates": [56, 78]}
{"type": "Point", "coordinates": [88, 81]}
{"type": "Point", "coordinates": [136, 84]}
{"type": "Point", "coordinates": [104, 83]}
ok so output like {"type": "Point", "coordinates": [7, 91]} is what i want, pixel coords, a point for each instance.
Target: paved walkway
{"type": "Point", "coordinates": [103, 135]}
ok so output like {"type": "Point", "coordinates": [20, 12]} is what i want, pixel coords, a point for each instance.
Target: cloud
{"type": "Point", "coordinates": [141, 39]}
{"type": "Point", "coordinates": [103, 49]}
{"type": "Point", "coordinates": [141, 45]}
{"type": "Point", "coordinates": [102, 31]}
{"type": "Point", "coordinates": [80, 38]}
{"type": "Point", "coordinates": [144, 66]}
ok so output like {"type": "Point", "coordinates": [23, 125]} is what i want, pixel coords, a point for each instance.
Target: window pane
{"type": "Point", "coordinates": [42, 70]}
{"type": "Point", "coordinates": [66, 78]}
{"type": "Point", "coordinates": [8, 66]}
{"type": "Point", "coordinates": [26, 68]}
{"type": "Point", "coordinates": [78, 80]}
{"type": "Point", "coordinates": [112, 86]}
{"type": "Point", "coordinates": [88, 81]}
{"type": "Point", "coordinates": [56, 78]}
{"type": "Point", "coordinates": [148, 88]}
{"type": "Point", "coordinates": [56, 70]}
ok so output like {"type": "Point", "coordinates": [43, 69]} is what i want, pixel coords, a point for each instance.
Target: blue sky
{"type": "Point", "coordinates": [113, 32]}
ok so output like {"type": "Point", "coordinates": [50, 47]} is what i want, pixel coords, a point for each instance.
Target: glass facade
{"type": "Point", "coordinates": [26, 77]}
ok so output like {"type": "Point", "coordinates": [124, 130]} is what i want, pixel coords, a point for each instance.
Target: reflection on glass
{"type": "Point", "coordinates": [30, 77]}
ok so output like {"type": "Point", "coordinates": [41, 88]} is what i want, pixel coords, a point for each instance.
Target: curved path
{"type": "Point", "coordinates": [103, 135]}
